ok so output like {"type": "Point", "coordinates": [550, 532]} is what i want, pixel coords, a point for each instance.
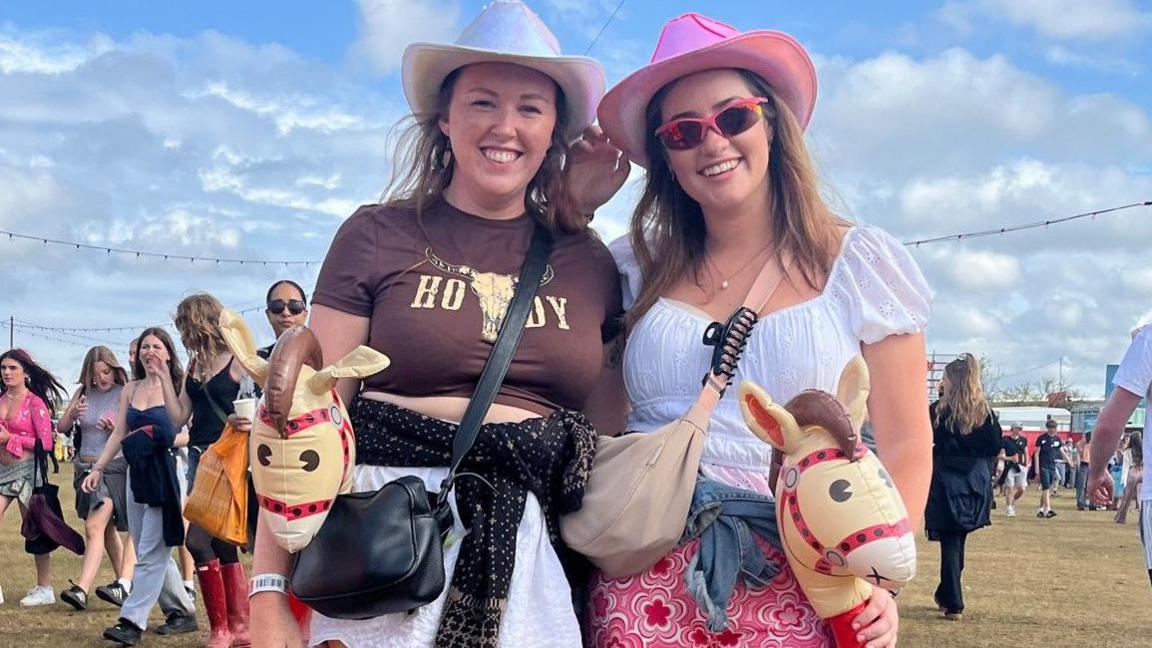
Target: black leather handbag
{"type": "Point", "coordinates": [382, 552]}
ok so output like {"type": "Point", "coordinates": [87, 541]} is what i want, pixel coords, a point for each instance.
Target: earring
{"type": "Point", "coordinates": [446, 156]}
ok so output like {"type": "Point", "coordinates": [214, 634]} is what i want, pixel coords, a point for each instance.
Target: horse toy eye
{"type": "Point", "coordinates": [264, 455]}
{"type": "Point", "coordinates": [311, 460]}
{"type": "Point", "coordinates": [839, 492]}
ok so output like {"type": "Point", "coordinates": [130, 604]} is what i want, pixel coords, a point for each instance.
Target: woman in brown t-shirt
{"type": "Point", "coordinates": [426, 279]}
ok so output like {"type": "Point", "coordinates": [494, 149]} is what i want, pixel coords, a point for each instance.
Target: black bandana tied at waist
{"type": "Point", "coordinates": [551, 457]}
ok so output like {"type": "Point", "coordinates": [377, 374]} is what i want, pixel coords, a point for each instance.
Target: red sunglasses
{"type": "Point", "coordinates": [733, 119]}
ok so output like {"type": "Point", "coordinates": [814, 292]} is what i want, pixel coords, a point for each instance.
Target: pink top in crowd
{"type": "Point", "coordinates": [31, 419]}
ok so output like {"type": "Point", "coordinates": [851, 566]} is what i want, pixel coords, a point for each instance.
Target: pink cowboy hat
{"type": "Point", "coordinates": [693, 43]}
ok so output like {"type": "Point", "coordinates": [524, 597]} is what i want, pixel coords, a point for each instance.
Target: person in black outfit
{"type": "Point", "coordinates": [1049, 447]}
{"type": "Point", "coordinates": [967, 439]}
{"type": "Point", "coordinates": [205, 404]}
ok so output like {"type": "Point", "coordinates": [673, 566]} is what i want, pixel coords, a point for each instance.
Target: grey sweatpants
{"type": "Point", "coordinates": [157, 576]}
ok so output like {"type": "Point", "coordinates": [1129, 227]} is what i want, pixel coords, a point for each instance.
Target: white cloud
{"type": "Point", "coordinates": [983, 270]}
{"type": "Point", "coordinates": [289, 113]}
{"type": "Point", "coordinates": [20, 57]}
{"type": "Point", "coordinates": [1066, 56]}
{"type": "Point", "coordinates": [1056, 19]}
{"type": "Point", "coordinates": [389, 26]}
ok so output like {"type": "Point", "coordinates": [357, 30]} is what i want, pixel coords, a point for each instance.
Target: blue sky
{"type": "Point", "coordinates": [252, 128]}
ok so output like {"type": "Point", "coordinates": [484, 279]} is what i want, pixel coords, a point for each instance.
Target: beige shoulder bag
{"type": "Point", "coordinates": [637, 497]}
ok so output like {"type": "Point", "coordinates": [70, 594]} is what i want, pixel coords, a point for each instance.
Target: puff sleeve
{"type": "Point", "coordinates": [629, 268]}
{"type": "Point", "coordinates": [880, 286]}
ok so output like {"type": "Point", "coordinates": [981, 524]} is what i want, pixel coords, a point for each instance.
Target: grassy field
{"type": "Point", "coordinates": [1075, 580]}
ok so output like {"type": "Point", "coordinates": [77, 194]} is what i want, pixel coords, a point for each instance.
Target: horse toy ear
{"type": "Point", "coordinates": [360, 363]}
{"type": "Point", "coordinates": [853, 389]}
{"type": "Point", "coordinates": [239, 340]}
{"type": "Point", "coordinates": [767, 420]}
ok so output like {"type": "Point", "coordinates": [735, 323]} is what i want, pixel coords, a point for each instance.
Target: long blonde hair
{"type": "Point", "coordinates": [422, 166]}
{"type": "Point", "coordinates": [962, 403]}
{"type": "Point", "coordinates": [198, 321]}
{"type": "Point", "coordinates": [88, 369]}
{"type": "Point", "coordinates": [668, 230]}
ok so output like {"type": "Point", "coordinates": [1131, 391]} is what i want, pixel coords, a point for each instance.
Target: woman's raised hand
{"type": "Point", "coordinates": [596, 170]}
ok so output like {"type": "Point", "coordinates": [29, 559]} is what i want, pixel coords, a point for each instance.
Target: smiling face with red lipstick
{"type": "Point", "coordinates": [500, 124]}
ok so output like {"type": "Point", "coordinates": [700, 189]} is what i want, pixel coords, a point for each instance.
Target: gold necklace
{"type": "Point", "coordinates": [724, 282]}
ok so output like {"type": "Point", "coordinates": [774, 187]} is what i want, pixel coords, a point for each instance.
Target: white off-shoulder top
{"type": "Point", "coordinates": [875, 289]}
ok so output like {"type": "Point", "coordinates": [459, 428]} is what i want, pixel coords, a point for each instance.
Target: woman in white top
{"type": "Point", "coordinates": [729, 188]}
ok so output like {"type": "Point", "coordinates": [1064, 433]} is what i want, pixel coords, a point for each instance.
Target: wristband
{"type": "Point", "coordinates": [267, 583]}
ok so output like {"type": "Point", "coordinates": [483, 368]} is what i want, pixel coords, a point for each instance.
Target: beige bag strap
{"type": "Point", "coordinates": [735, 334]}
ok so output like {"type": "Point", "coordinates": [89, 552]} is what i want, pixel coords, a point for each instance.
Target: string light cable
{"type": "Point", "coordinates": [1026, 226]}
{"type": "Point", "coordinates": [291, 262]}
{"type": "Point", "coordinates": [28, 327]}
{"type": "Point", "coordinates": [166, 256]}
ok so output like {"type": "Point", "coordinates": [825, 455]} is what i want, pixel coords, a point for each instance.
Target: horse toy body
{"type": "Point", "coordinates": [302, 448]}
{"type": "Point", "coordinates": [842, 523]}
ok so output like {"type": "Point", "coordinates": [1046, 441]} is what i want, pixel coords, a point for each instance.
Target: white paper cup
{"type": "Point", "coordinates": [245, 408]}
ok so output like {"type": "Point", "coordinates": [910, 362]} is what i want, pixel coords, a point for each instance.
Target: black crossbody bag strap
{"type": "Point", "coordinates": [531, 272]}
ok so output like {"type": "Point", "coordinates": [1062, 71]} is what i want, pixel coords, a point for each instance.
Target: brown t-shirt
{"type": "Point", "coordinates": [436, 297]}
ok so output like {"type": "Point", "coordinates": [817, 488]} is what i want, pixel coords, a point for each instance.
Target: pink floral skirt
{"type": "Point", "coordinates": [655, 609]}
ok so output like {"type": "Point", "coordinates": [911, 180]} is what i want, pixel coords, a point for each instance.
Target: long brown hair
{"type": "Point", "coordinates": [422, 166]}
{"type": "Point", "coordinates": [962, 402]}
{"type": "Point", "coordinates": [668, 230]}
{"type": "Point", "coordinates": [198, 321]}
{"type": "Point", "coordinates": [96, 354]}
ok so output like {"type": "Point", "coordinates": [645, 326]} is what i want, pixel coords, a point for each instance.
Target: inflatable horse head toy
{"type": "Point", "coordinates": [842, 522]}
{"type": "Point", "coordinates": [301, 445]}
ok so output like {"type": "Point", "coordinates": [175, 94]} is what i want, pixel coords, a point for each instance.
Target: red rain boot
{"type": "Point", "coordinates": [236, 593]}
{"type": "Point", "coordinates": [215, 603]}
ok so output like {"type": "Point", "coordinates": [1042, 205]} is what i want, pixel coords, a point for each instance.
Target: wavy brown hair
{"type": "Point", "coordinates": [197, 319]}
{"type": "Point", "coordinates": [420, 174]}
{"type": "Point", "coordinates": [88, 369]}
{"type": "Point", "coordinates": [962, 405]}
{"type": "Point", "coordinates": [667, 230]}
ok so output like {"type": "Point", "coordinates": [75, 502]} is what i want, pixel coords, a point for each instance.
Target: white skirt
{"type": "Point", "coordinates": [539, 609]}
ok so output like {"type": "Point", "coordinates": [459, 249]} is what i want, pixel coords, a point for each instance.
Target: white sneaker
{"type": "Point", "coordinates": [39, 595]}
{"type": "Point", "coordinates": [1, 596]}
{"type": "Point", "coordinates": [1011, 512]}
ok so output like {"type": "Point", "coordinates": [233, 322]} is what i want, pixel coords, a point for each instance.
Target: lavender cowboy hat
{"type": "Point", "coordinates": [694, 43]}
{"type": "Point", "coordinates": [506, 32]}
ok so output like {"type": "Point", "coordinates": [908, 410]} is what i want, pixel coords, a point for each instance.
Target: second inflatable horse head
{"type": "Point", "coordinates": [301, 446]}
